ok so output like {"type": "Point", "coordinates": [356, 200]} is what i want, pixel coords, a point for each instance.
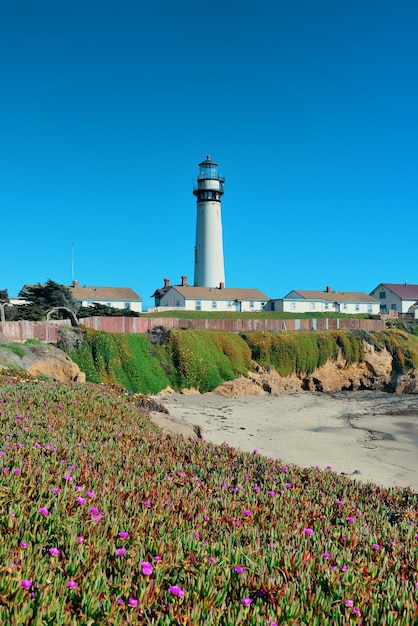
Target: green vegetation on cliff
{"type": "Point", "coordinates": [204, 358]}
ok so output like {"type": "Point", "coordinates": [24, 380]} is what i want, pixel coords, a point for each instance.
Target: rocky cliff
{"type": "Point", "coordinates": [374, 372]}
{"type": "Point", "coordinates": [39, 360]}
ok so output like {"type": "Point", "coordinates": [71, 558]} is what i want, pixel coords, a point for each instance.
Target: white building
{"type": "Point", "coordinates": [328, 301]}
{"type": "Point", "coordinates": [187, 298]}
{"type": "Point", "coordinates": [116, 297]}
{"type": "Point", "coordinates": [400, 298]}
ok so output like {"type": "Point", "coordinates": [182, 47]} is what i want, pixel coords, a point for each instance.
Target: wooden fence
{"type": "Point", "coordinates": [47, 331]}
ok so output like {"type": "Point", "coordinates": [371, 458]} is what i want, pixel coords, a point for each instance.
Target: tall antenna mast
{"type": "Point", "coordinates": [72, 264]}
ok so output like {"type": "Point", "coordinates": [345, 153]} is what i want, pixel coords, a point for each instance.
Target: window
{"type": "Point", "coordinates": [198, 305]}
{"type": "Point", "coordinates": [357, 308]}
{"type": "Point", "coordinates": [382, 295]}
{"type": "Point", "coordinates": [345, 306]}
{"type": "Point", "coordinates": [127, 305]}
{"type": "Point", "coordinates": [312, 306]}
{"type": "Point", "coordinates": [369, 308]}
{"type": "Point", "coordinates": [230, 304]}
{"type": "Point", "coordinates": [326, 306]}
{"type": "Point", "coordinates": [251, 304]}
{"type": "Point", "coordinates": [393, 307]}
{"type": "Point", "coordinates": [214, 304]}
{"type": "Point", "coordinates": [177, 302]}
{"type": "Point", "coordinates": [293, 306]}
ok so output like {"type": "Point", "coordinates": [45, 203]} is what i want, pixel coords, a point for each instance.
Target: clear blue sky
{"type": "Point", "coordinates": [309, 107]}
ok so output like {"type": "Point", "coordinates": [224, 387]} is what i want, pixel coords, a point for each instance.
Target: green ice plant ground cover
{"type": "Point", "coordinates": [106, 521]}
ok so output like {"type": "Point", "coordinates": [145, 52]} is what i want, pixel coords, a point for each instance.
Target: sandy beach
{"type": "Point", "coordinates": [367, 435]}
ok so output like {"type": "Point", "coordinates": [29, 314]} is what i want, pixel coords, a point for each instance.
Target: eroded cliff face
{"type": "Point", "coordinates": [375, 372]}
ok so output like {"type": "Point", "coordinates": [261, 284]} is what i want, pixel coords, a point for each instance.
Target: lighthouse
{"type": "Point", "coordinates": [208, 253]}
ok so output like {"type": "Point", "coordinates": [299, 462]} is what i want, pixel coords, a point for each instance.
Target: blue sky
{"type": "Point", "coordinates": [310, 109]}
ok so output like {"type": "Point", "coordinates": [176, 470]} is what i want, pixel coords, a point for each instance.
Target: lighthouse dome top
{"type": "Point", "coordinates": [208, 170]}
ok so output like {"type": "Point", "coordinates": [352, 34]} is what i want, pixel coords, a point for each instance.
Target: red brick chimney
{"type": "Point", "coordinates": [183, 281]}
{"type": "Point", "coordinates": [75, 283]}
{"type": "Point", "coordinates": [328, 289]}
{"type": "Point", "coordinates": [166, 282]}
{"type": "Point", "coordinates": [221, 285]}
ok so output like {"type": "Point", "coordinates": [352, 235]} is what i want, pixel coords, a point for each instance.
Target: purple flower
{"type": "Point", "coordinates": [26, 584]}
{"type": "Point", "coordinates": [350, 519]}
{"type": "Point", "coordinates": [80, 539]}
{"type": "Point", "coordinates": [120, 551]}
{"type": "Point", "coordinates": [120, 601]}
{"type": "Point", "coordinates": [176, 591]}
{"type": "Point", "coordinates": [376, 546]}
{"type": "Point", "coordinates": [80, 500]}
{"type": "Point", "coordinates": [54, 551]}
{"type": "Point", "coordinates": [90, 494]}
{"type": "Point", "coordinates": [349, 602]}
{"type": "Point", "coordinates": [133, 602]}
{"type": "Point", "coordinates": [123, 534]}
{"type": "Point", "coordinates": [17, 471]}
{"type": "Point", "coordinates": [326, 555]}
{"type": "Point", "coordinates": [246, 601]}
{"type": "Point", "coordinates": [308, 531]}
{"type": "Point", "coordinates": [68, 477]}
{"type": "Point", "coordinates": [246, 512]}
{"type": "Point", "coordinates": [272, 494]}
{"type": "Point", "coordinates": [71, 584]}
{"type": "Point", "coordinates": [146, 568]}
{"type": "Point", "coordinates": [43, 511]}
{"type": "Point", "coordinates": [55, 490]}
{"type": "Point", "coordinates": [23, 544]}
{"type": "Point", "coordinates": [94, 511]}
{"type": "Point", "coordinates": [238, 569]}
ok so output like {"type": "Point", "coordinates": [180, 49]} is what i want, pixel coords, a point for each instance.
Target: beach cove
{"type": "Point", "coordinates": [366, 435]}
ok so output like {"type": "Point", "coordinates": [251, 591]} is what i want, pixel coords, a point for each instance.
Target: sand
{"type": "Point", "coordinates": [367, 435]}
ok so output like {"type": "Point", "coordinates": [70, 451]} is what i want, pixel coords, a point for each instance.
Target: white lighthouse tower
{"type": "Point", "coordinates": [209, 257]}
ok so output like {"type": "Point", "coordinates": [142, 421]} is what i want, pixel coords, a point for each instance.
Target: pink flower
{"type": "Point", "coordinates": [133, 602]}
{"type": "Point", "coordinates": [90, 494]}
{"type": "Point", "coordinates": [80, 539]}
{"type": "Point", "coordinates": [246, 512]}
{"type": "Point", "coordinates": [94, 511]}
{"type": "Point", "coordinates": [176, 591]}
{"type": "Point", "coordinates": [349, 602]}
{"type": "Point", "coordinates": [68, 477]}
{"type": "Point", "coordinates": [23, 544]}
{"type": "Point", "coordinates": [326, 555]}
{"type": "Point", "coordinates": [123, 534]}
{"type": "Point", "coordinates": [26, 584]}
{"type": "Point", "coordinates": [376, 546]}
{"type": "Point", "coordinates": [80, 500]}
{"type": "Point", "coordinates": [120, 601]}
{"type": "Point", "coordinates": [54, 551]}
{"type": "Point", "coordinates": [43, 511]}
{"type": "Point", "coordinates": [272, 494]}
{"type": "Point", "coordinates": [350, 519]}
{"type": "Point", "coordinates": [246, 601]}
{"type": "Point", "coordinates": [308, 531]}
{"type": "Point", "coordinates": [238, 569]}
{"type": "Point", "coordinates": [146, 568]}
{"type": "Point", "coordinates": [55, 490]}
{"type": "Point", "coordinates": [17, 471]}
{"type": "Point", "coordinates": [120, 551]}
{"type": "Point", "coordinates": [71, 584]}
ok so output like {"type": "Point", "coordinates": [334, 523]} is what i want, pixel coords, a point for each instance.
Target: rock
{"type": "Point", "coordinates": [174, 426]}
{"type": "Point", "coordinates": [40, 360]}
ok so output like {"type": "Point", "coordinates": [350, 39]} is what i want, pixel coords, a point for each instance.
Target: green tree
{"type": "Point", "coordinates": [47, 296]}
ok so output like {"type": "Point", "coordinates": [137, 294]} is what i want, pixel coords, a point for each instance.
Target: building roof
{"type": "Point", "coordinates": [404, 291]}
{"type": "Point", "coordinates": [95, 294]}
{"type": "Point", "coordinates": [332, 296]}
{"type": "Point", "coordinates": [214, 293]}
